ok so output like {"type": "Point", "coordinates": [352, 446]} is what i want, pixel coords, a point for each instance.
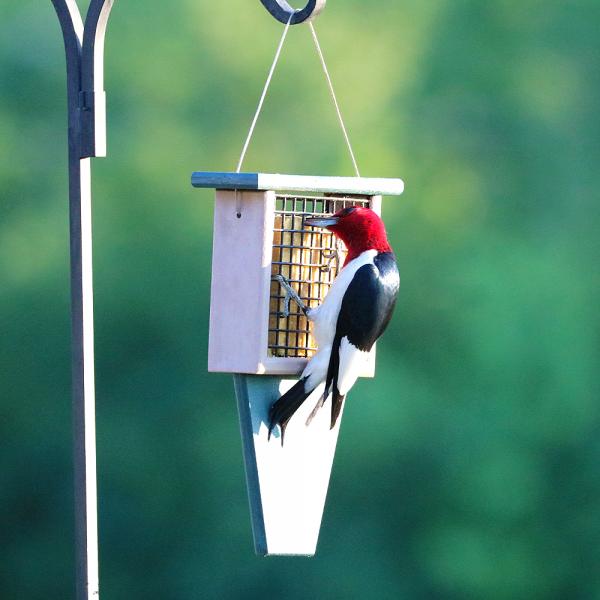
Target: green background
{"type": "Point", "coordinates": [470, 467]}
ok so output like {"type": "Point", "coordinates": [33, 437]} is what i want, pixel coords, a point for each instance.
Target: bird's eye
{"type": "Point", "coordinates": [348, 211]}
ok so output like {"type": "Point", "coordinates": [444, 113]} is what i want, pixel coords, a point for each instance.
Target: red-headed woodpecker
{"type": "Point", "coordinates": [352, 316]}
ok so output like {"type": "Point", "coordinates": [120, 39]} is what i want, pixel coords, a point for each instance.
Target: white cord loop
{"type": "Point", "coordinates": [266, 89]}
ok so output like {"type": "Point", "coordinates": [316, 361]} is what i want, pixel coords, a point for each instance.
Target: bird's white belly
{"type": "Point", "coordinates": [325, 316]}
{"type": "Point", "coordinates": [324, 319]}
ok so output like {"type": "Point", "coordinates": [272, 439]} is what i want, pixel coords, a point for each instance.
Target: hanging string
{"type": "Point", "coordinates": [264, 94]}
{"type": "Point", "coordinates": [333, 96]}
{"type": "Point", "coordinates": [266, 89]}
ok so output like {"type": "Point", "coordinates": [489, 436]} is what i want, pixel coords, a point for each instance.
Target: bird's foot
{"type": "Point", "coordinates": [290, 294]}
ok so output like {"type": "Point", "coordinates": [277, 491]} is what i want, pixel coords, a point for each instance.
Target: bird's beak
{"type": "Point", "coordinates": [321, 221]}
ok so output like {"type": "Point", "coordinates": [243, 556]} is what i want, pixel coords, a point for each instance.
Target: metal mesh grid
{"type": "Point", "coordinates": [309, 258]}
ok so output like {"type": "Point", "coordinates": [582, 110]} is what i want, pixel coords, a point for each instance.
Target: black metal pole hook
{"type": "Point", "coordinates": [282, 11]}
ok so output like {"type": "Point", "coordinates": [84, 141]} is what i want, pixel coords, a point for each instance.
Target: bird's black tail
{"type": "Point", "coordinates": [337, 401]}
{"type": "Point", "coordinates": [283, 410]}
{"type": "Point", "coordinates": [331, 383]}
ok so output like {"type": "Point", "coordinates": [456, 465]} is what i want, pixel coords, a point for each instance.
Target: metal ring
{"type": "Point", "coordinates": [282, 11]}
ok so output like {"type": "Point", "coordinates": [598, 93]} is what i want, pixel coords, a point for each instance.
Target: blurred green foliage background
{"type": "Point", "coordinates": [470, 468]}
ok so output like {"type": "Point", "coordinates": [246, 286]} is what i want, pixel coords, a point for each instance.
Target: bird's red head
{"type": "Point", "coordinates": [359, 228]}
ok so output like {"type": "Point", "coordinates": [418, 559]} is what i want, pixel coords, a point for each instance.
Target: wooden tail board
{"type": "Point", "coordinates": [287, 485]}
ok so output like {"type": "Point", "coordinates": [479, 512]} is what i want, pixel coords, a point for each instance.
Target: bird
{"type": "Point", "coordinates": [353, 315]}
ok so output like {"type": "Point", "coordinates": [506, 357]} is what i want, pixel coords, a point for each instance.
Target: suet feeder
{"type": "Point", "coordinates": [264, 339]}
{"type": "Point", "coordinates": [261, 240]}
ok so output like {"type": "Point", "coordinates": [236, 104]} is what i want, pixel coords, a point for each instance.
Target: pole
{"type": "Point", "coordinates": [86, 106]}
{"type": "Point", "coordinates": [86, 138]}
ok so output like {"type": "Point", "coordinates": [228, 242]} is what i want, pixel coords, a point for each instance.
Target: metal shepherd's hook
{"type": "Point", "coordinates": [282, 11]}
{"type": "Point", "coordinates": [84, 48]}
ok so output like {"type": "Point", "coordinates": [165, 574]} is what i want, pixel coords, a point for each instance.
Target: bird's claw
{"type": "Point", "coordinates": [285, 313]}
{"type": "Point", "coordinates": [290, 294]}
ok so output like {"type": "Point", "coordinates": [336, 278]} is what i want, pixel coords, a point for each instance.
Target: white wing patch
{"type": "Point", "coordinates": [352, 362]}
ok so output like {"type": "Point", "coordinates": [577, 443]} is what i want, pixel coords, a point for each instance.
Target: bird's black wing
{"type": "Point", "coordinates": [366, 310]}
{"type": "Point", "coordinates": [369, 302]}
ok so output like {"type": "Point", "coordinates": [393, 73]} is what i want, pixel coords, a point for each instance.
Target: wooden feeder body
{"type": "Point", "coordinates": [248, 332]}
